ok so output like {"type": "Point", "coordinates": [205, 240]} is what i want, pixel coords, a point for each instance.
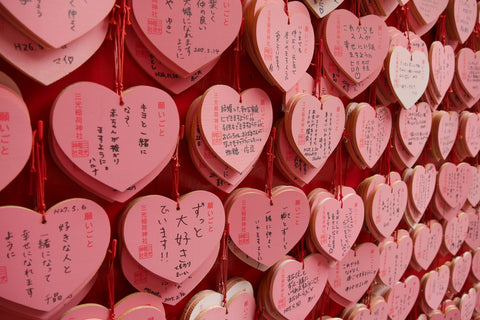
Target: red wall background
{"type": "Point", "coordinates": [100, 69]}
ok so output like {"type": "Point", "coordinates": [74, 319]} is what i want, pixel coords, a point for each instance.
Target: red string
{"type": "Point", "coordinates": [474, 36]}
{"type": "Point", "coordinates": [388, 154]}
{"type": "Point", "coordinates": [302, 252]}
{"type": "Point", "coordinates": [339, 175]}
{"type": "Point", "coordinates": [224, 266]}
{"type": "Point", "coordinates": [368, 296]}
{"type": "Point", "coordinates": [356, 10]}
{"type": "Point", "coordinates": [405, 10]}
{"type": "Point", "coordinates": [237, 52]}
{"type": "Point", "coordinates": [286, 11]}
{"type": "Point", "coordinates": [318, 69]}
{"type": "Point", "coordinates": [38, 171]}
{"type": "Point", "coordinates": [112, 253]}
{"type": "Point", "coordinates": [120, 18]}
{"type": "Point", "coordinates": [270, 158]}
{"type": "Point", "coordinates": [447, 100]}
{"type": "Point", "coordinates": [176, 168]}
{"type": "Point", "coordinates": [442, 32]}
{"type": "Point", "coordinates": [373, 95]}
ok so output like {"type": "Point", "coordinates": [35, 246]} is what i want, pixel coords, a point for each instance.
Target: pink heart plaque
{"type": "Point", "coordinates": [15, 135]}
{"type": "Point", "coordinates": [200, 32]}
{"type": "Point", "coordinates": [426, 243]}
{"type": "Point", "coordinates": [283, 222]}
{"type": "Point", "coordinates": [56, 23]}
{"type": "Point", "coordinates": [468, 71]}
{"type": "Point", "coordinates": [386, 206]}
{"type": "Point", "coordinates": [402, 297]}
{"type": "Point", "coordinates": [48, 65]}
{"type": "Point", "coordinates": [351, 277]}
{"type": "Point", "coordinates": [357, 46]}
{"type": "Point", "coordinates": [284, 44]}
{"type": "Point", "coordinates": [168, 242]}
{"type": "Point", "coordinates": [116, 145]}
{"type": "Point", "coordinates": [408, 74]}
{"type": "Point", "coordinates": [236, 127]}
{"type": "Point", "coordinates": [296, 286]}
{"type": "Point", "coordinates": [315, 126]}
{"type": "Point", "coordinates": [435, 285]}
{"type": "Point", "coordinates": [47, 262]}
{"type": "Point", "coordinates": [414, 126]}
{"type": "Point", "coordinates": [336, 225]}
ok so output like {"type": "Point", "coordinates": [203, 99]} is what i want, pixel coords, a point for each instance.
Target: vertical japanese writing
{"type": "Point", "coordinates": [27, 262]}
{"type": "Point", "coordinates": [80, 148]}
{"type": "Point", "coordinates": [4, 133]}
{"type": "Point", "coordinates": [64, 230]}
{"type": "Point", "coordinates": [44, 248]}
{"type": "Point", "coordinates": [114, 137]}
{"type": "Point", "coordinates": [89, 228]}
{"type": "Point", "coordinates": [143, 140]}
{"type": "Point", "coordinates": [72, 15]}
{"type": "Point", "coordinates": [145, 249]}
{"type": "Point", "coordinates": [244, 235]}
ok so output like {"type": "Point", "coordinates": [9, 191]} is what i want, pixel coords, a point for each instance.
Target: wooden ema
{"type": "Point", "coordinates": [201, 170]}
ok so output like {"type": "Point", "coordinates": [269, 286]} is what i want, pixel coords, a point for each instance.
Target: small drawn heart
{"type": "Point", "coordinates": [116, 145]}
{"type": "Point", "coordinates": [286, 218]}
{"type": "Point", "coordinates": [56, 259]}
{"type": "Point", "coordinates": [235, 126]}
{"type": "Point", "coordinates": [358, 46]}
{"type": "Point", "coordinates": [174, 243]}
{"type": "Point", "coordinates": [53, 23]}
